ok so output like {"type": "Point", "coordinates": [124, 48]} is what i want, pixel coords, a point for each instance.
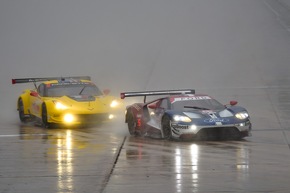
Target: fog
{"type": "Point", "coordinates": [131, 45]}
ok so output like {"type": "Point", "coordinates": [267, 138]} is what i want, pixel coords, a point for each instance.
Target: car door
{"type": "Point", "coordinates": [157, 112]}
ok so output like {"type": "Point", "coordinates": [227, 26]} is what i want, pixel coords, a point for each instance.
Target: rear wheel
{"type": "Point", "coordinates": [131, 124]}
{"type": "Point", "coordinates": [167, 134]}
{"type": "Point", "coordinates": [23, 118]}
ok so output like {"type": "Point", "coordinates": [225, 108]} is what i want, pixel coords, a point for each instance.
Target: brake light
{"type": "Point", "coordinates": [13, 81]}
{"type": "Point", "coordinates": [139, 123]}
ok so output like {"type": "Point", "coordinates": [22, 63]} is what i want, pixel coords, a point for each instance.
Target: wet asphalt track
{"type": "Point", "coordinates": [106, 159]}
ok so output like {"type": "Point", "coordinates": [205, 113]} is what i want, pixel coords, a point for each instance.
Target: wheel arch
{"type": "Point", "coordinates": [49, 107]}
{"type": "Point", "coordinates": [166, 114]}
{"type": "Point", "coordinates": [25, 97]}
{"type": "Point", "coordinates": [25, 104]}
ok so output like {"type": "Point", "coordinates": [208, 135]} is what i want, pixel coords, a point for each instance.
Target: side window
{"type": "Point", "coordinates": [164, 104]}
{"type": "Point", "coordinates": [152, 108]}
{"type": "Point", "coordinates": [40, 89]}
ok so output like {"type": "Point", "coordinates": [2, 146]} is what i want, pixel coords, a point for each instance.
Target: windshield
{"type": "Point", "coordinates": [205, 104]}
{"type": "Point", "coordinates": [72, 90]}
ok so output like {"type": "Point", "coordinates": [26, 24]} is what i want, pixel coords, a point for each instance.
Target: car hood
{"type": "Point", "coordinates": [82, 98]}
{"type": "Point", "coordinates": [222, 113]}
{"type": "Point", "coordinates": [208, 113]}
{"type": "Point", "coordinates": [83, 102]}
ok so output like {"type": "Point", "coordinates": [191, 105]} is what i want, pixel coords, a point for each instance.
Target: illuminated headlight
{"type": "Point", "coordinates": [59, 105]}
{"type": "Point", "coordinates": [111, 116]}
{"type": "Point", "coordinates": [181, 118]}
{"type": "Point", "coordinates": [242, 115]}
{"type": "Point", "coordinates": [68, 118]}
{"type": "Point", "coordinates": [192, 127]}
{"type": "Point", "coordinates": [114, 104]}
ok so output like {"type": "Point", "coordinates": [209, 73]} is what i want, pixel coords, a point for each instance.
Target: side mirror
{"type": "Point", "coordinates": [106, 91]}
{"type": "Point", "coordinates": [233, 103]}
{"type": "Point", "coordinates": [34, 94]}
{"type": "Point", "coordinates": [152, 106]}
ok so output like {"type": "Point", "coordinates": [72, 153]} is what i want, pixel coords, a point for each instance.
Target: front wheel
{"type": "Point", "coordinates": [44, 116]}
{"type": "Point", "coordinates": [167, 134]}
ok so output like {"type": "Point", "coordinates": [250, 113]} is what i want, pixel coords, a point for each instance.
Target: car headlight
{"type": "Point", "coordinates": [114, 104]}
{"type": "Point", "coordinates": [59, 105]}
{"type": "Point", "coordinates": [242, 115]}
{"type": "Point", "coordinates": [181, 118]}
{"type": "Point", "coordinates": [68, 118]}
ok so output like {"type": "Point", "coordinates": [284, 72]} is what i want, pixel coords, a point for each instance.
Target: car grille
{"type": "Point", "coordinates": [219, 133]}
{"type": "Point", "coordinates": [91, 118]}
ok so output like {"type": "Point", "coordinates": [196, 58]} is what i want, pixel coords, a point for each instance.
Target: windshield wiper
{"type": "Point", "coordinates": [194, 107]}
{"type": "Point", "coordinates": [82, 90]}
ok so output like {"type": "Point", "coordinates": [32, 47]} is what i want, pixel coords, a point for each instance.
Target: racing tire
{"type": "Point", "coordinates": [167, 133]}
{"type": "Point", "coordinates": [23, 118]}
{"type": "Point", "coordinates": [131, 124]}
{"type": "Point", "coordinates": [44, 116]}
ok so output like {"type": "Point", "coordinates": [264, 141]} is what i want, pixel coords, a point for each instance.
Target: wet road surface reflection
{"type": "Point", "coordinates": [106, 159]}
{"type": "Point", "coordinates": [233, 166]}
{"type": "Point", "coordinates": [102, 159]}
{"type": "Point", "coordinates": [34, 159]}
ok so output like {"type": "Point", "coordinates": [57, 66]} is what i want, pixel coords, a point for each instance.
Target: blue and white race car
{"type": "Point", "coordinates": [182, 114]}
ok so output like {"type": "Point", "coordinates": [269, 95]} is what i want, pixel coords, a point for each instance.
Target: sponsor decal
{"type": "Point", "coordinates": [212, 115]}
{"type": "Point", "coordinates": [218, 123]}
{"type": "Point", "coordinates": [215, 120]}
{"type": "Point", "coordinates": [175, 99]}
{"type": "Point", "coordinates": [70, 83]}
{"type": "Point", "coordinates": [177, 126]}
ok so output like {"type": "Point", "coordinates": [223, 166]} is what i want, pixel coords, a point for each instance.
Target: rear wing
{"type": "Point", "coordinates": [153, 93]}
{"type": "Point", "coordinates": [33, 80]}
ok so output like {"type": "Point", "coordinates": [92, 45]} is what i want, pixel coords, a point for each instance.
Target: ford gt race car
{"type": "Point", "coordinates": [184, 115]}
{"type": "Point", "coordinates": [65, 100]}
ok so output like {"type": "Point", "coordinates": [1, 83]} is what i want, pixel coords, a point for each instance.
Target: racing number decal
{"type": "Point", "coordinates": [212, 115]}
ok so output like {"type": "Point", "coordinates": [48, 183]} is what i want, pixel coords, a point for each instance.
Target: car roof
{"type": "Point", "coordinates": [66, 81]}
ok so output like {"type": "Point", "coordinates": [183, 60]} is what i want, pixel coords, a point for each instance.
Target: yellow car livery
{"type": "Point", "coordinates": [65, 100]}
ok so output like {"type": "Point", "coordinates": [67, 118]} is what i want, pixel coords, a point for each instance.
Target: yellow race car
{"type": "Point", "coordinates": [65, 100]}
